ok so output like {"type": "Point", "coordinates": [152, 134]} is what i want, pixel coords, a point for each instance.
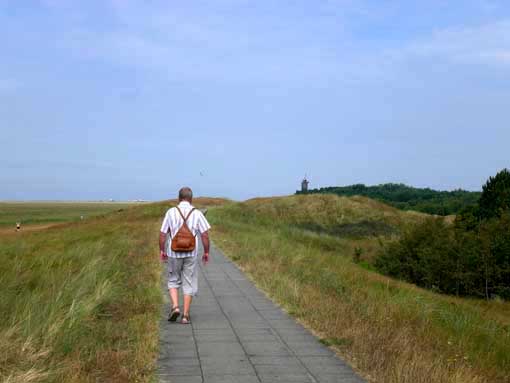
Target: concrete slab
{"type": "Point", "coordinates": [224, 349]}
{"type": "Point", "coordinates": [177, 351]}
{"type": "Point", "coordinates": [274, 348]}
{"type": "Point", "coordinates": [231, 379]}
{"type": "Point", "coordinates": [226, 366]}
{"type": "Point", "coordinates": [295, 335]}
{"type": "Point", "coordinates": [273, 314]}
{"type": "Point", "coordinates": [351, 378]}
{"type": "Point", "coordinates": [275, 360]}
{"type": "Point", "coordinates": [185, 366]}
{"type": "Point", "coordinates": [216, 338]}
{"type": "Point", "coordinates": [280, 369]}
{"type": "Point", "coordinates": [324, 363]}
{"type": "Point", "coordinates": [180, 379]}
{"type": "Point", "coordinates": [287, 378]}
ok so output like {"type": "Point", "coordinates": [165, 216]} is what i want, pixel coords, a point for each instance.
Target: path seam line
{"type": "Point", "coordinates": [228, 319]}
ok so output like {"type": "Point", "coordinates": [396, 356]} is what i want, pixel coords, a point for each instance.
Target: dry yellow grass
{"type": "Point", "coordinates": [389, 330]}
{"type": "Point", "coordinates": [328, 209]}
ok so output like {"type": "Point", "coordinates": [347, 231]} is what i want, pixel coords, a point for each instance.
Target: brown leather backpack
{"type": "Point", "coordinates": [184, 240]}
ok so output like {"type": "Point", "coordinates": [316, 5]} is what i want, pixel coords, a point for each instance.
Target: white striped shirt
{"type": "Point", "coordinates": [173, 221]}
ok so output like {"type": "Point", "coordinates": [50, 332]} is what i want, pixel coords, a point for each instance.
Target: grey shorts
{"type": "Point", "coordinates": [183, 272]}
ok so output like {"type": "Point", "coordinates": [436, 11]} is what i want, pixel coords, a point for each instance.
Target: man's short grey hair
{"type": "Point", "coordinates": [185, 194]}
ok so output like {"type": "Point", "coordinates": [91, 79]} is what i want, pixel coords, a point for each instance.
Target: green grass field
{"type": "Point", "coordinates": [30, 213]}
{"type": "Point", "coordinates": [391, 331]}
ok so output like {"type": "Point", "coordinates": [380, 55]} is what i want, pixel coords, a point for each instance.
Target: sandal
{"type": "Point", "coordinates": [174, 314]}
{"type": "Point", "coordinates": [185, 319]}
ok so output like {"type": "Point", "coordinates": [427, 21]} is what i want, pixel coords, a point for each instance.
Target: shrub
{"type": "Point", "coordinates": [452, 260]}
{"type": "Point", "coordinates": [423, 256]}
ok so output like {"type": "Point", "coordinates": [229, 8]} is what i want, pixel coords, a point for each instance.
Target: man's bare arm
{"type": "Point", "coordinates": [205, 242]}
{"type": "Point", "coordinates": [162, 241]}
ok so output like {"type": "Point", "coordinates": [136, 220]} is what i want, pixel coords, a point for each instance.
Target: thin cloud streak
{"type": "Point", "coordinates": [485, 44]}
{"type": "Point", "coordinates": [211, 54]}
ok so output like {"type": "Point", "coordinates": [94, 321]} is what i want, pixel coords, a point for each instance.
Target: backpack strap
{"type": "Point", "coordinates": [182, 215]}
{"type": "Point", "coordinates": [191, 211]}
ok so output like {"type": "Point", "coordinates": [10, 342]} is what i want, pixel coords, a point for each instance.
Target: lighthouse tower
{"type": "Point", "coordinates": [304, 185]}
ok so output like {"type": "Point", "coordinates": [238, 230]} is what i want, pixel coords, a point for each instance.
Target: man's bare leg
{"type": "Point", "coordinates": [174, 296]}
{"type": "Point", "coordinates": [187, 304]}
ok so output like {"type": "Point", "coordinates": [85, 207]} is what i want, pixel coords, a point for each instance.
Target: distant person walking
{"type": "Point", "coordinates": [183, 224]}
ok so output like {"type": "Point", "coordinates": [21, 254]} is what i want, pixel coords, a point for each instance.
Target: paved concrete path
{"type": "Point", "coordinates": [239, 335]}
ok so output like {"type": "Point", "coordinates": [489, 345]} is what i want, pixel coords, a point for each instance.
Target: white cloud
{"type": "Point", "coordinates": [211, 43]}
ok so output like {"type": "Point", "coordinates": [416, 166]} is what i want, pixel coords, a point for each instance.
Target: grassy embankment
{"type": "Point", "coordinates": [299, 250]}
{"type": "Point", "coordinates": [80, 301]}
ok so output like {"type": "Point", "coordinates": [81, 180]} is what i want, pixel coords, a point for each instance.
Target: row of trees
{"type": "Point", "coordinates": [470, 257]}
{"type": "Point", "coordinates": [409, 198]}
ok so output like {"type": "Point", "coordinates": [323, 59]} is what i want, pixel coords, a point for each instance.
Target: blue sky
{"type": "Point", "coordinates": [124, 99]}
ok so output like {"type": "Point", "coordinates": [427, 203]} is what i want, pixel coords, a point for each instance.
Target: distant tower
{"type": "Point", "coordinates": [304, 185]}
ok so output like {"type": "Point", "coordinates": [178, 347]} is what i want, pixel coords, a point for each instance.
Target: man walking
{"type": "Point", "coordinates": [183, 223]}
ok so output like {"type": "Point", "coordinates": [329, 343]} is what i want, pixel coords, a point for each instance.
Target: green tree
{"type": "Point", "coordinates": [499, 255]}
{"type": "Point", "coordinates": [495, 196]}
{"type": "Point", "coordinates": [468, 219]}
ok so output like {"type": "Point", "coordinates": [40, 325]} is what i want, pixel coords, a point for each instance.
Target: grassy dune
{"type": "Point", "coordinates": [391, 331]}
{"type": "Point", "coordinates": [80, 301]}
